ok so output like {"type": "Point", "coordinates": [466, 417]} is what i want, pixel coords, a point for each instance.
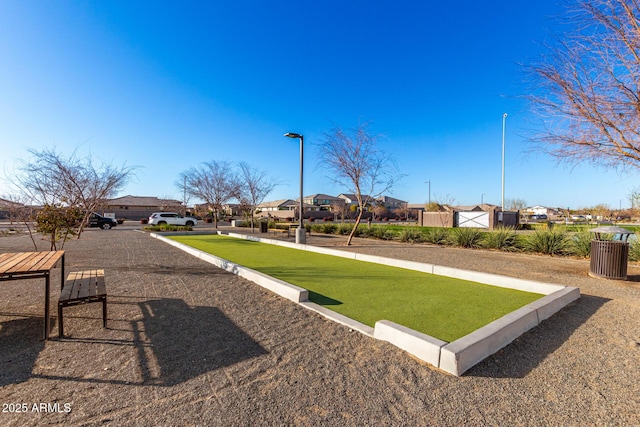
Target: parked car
{"type": "Point", "coordinates": [171, 218]}
{"type": "Point", "coordinates": [539, 217]}
{"type": "Point", "coordinates": [97, 220]}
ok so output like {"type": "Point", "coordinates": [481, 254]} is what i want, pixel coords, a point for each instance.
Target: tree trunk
{"type": "Point", "coordinates": [355, 227]}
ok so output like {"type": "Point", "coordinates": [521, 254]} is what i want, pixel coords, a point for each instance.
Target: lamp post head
{"type": "Point", "coordinates": [292, 135]}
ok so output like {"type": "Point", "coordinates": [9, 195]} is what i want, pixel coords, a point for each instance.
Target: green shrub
{"type": "Point", "coordinates": [382, 233]}
{"type": "Point", "coordinates": [503, 238]}
{"type": "Point", "coordinates": [167, 227]}
{"type": "Point", "coordinates": [549, 242]}
{"type": "Point", "coordinates": [411, 235]}
{"type": "Point", "coordinates": [437, 236]}
{"type": "Point", "coordinates": [316, 228]}
{"type": "Point", "coordinates": [344, 229]}
{"type": "Point", "coordinates": [466, 237]}
{"type": "Point", "coordinates": [328, 228]}
{"type": "Point", "coordinates": [634, 248]}
{"type": "Point", "coordinates": [580, 244]}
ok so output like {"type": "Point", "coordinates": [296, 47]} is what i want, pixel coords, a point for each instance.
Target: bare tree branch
{"type": "Point", "coordinates": [356, 163]}
{"type": "Point", "coordinates": [254, 187]}
{"type": "Point", "coordinates": [215, 183]}
{"type": "Point", "coordinates": [588, 88]}
{"type": "Point", "coordinates": [50, 178]}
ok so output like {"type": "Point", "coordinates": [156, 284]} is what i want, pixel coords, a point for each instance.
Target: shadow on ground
{"type": "Point", "coordinates": [537, 344]}
{"type": "Point", "coordinates": [188, 341]}
{"type": "Point", "coordinates": [22, 343]}
{"type": "Point", "coordinates": [171, 342]}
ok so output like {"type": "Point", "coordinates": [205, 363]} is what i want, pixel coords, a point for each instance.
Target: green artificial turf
{"type": "Point", "coordinates": [443, 307]}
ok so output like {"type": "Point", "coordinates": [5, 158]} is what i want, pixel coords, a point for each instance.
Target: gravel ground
{"type": "Point", "coordinates": [189, 344]}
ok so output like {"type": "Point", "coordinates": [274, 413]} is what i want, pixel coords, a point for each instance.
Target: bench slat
{"type": "Point", "coordinates": [83, 287]}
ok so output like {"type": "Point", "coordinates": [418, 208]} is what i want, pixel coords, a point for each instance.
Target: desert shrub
{"type": "Point", "coordinates": [327, 228]}
{"type": "Point", "coordinates": [343, 229]}
{"type": "Point", "coordinates": [634, 248]}
{"type": "Point", "coordinates": [382, 233]}
{"type": "Point", "coordinates": [549, 242]}
{"type": "Point", "coordinates": [437, 236]}
{"type": "Point", "coordinates": [364, 231]}
{"type": "Point", "coordinates": [411, 235]}
{"type": "Point", "coordinates": [580, 244]}
{"type": "Point", "coordinates": [167, 227]}
{"type": "Point", "coordinates": [503, 238]}
{"type": "Point", "coordinates": [466, 237]}
{"type": "Point", "coordinates": [317, 228]}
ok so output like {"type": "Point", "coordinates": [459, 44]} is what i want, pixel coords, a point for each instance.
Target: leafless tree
{"type": "Point", "coordinates": [215, 183]}
{"type": "Point", "coordinates": [339, 208]}
{"type": "Point", "coordinates": [515, 204]}
{"type": "Point", "coordinates": [255, 185]}
{"type": "Point", "coordinates": [22, 213]}
{"type": "Point", "coordinates": [50, 178]}
{"type": "Point", "coordinates": [357, 164]}
{"type": "Point", "coordinates": [587, 89]}
{"type": "Point", "coordinates": [181, 184]}
{"type": "Point", "coordinates": [634, 198]}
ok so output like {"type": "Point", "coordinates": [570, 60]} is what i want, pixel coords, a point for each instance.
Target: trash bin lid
{"type": "Point", "coordinates": [621, 234]}
{"type": "Point", "coordinates": [611, 230]}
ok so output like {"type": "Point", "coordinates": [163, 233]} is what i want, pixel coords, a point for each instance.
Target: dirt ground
{"type": "Point", "coordinates": [189, 344]}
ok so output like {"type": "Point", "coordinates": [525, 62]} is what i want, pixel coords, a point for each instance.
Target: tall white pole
{"type": "Point", "coordinates": [504, 125]}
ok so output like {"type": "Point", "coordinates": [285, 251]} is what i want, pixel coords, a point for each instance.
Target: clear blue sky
{"type": "Point", "coordinates": [168, 85]}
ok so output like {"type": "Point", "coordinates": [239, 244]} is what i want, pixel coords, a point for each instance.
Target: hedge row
{"type": "Point", "coordinates": [554, 241]}
{"type": "Point", "coordinates": [542, 241]}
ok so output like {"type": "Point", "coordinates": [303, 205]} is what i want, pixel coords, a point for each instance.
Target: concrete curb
{"type": "Point", "coordinates": [455, 357]}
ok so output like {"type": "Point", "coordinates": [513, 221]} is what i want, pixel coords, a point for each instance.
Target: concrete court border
{"type": "Point", "coordinates": [455, 357]}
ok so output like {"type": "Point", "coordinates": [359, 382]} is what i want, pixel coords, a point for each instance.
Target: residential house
{"type": "Point", "coordinates": [542, 210]}
{"type": "Point", "coordinates": [352, 200]}
{"type": "Point", "coordinates": [391, 203]}
{"type": "Point", "coordinates": [278, 205]}
{"type": "Point", "coordinates": [323, 201]}
{"type": "Point", "coordinates": [139, 207]}
{"type": "Point", "coordinates": [285, 208]}
{"type": "Point", "coordinates": [7, 207]}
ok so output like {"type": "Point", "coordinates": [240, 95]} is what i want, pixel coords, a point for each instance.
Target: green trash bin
{"type": "Point", "coordinates": [263, 226]}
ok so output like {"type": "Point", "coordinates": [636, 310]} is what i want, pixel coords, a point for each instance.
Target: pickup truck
{"type": "Point", "coordinates": [96, 220]}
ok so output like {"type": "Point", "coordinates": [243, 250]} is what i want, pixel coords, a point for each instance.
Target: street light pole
{"type": "Point", "coordinates": [301, 236]}
{"type": "Point", "coordinates": [504, 125]}
{"type": "Point", "coordinates": [482, 198]}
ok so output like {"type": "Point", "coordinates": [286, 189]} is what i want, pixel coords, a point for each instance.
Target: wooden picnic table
{"type": "Point", "coordinates": [33, 265]}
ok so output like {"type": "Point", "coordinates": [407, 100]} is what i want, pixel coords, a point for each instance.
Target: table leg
{"type": "Point", "coordinates": [46, 305]}
{"type": "Point", "coordinates": [62, 274]}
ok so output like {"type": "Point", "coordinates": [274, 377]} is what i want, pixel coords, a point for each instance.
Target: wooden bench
{"type": "Point", "coordinates": [83, 287]}
{"type": "Point", "coordinates": [280, 231]}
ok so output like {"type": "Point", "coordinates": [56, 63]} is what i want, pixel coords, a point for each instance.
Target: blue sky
{"type": "Point", "coordinates": [167, 85]}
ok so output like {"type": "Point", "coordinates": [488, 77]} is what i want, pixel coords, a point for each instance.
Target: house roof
{"type": "Point", "coordinates": [389, 199]}
{"type": "Point", "coordinates": [9, 204]}
{"type": "Point", "coordinates": [353, 198]}
{"type": "Point", "coordinates": [322, 196]}
{"type": "Point", "coordinates": [277, 203]}
{"type": "Point", "coordinates": [142, 201]}
{"type": "Point", "coordinates": [479, 207]}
